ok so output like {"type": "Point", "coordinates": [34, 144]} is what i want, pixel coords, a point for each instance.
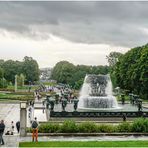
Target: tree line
{"type": "Point", "coordinates": [28, 68]}
{"type": "Point", "coordinates": [68, 73]}
{"type": "Point", "coordinates": [130, 71]}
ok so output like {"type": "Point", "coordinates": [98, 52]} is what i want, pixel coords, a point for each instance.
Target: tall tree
{"type": "Point", "coordinates": [10, 69]}
{"type": "Point", "coordinates": [63, 72]}
{"type": "Point", "coordinates": [30, 69]}
{"type": "Point", "coordinates": [113, 58]}
{"type": "Point", "coordinates": [1, 73]}
{"type": "Point", "coordinates": [132, 70]}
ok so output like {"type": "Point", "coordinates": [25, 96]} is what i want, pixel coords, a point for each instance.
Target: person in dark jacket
{"type": "Point", "coordinates": [2, 128]}
{"type": "Point", "coordinates": [18, 126]}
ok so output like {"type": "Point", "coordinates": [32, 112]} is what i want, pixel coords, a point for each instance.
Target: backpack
{"type": "Point", "coordinates": [34, 124]}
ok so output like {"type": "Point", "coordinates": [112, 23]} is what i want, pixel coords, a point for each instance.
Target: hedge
{"type": "Point", "coordinates": [69, 126]}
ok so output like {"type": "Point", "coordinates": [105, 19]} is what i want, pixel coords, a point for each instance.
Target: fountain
{"type": "Point", "coordinates": [96, 93]}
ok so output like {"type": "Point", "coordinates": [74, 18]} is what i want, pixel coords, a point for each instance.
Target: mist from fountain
{"type": "Point", "coordinates": [96, 93]}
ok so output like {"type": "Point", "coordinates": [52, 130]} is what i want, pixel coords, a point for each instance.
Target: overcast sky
{"type": "Point", "coordinates": [80, 32]}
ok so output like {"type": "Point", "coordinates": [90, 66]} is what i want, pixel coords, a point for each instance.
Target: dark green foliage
{"type": "Point", "coordinates": [69, 126]}
{"type": "Point", "coordinates": [29, 68]}
{"type": "Point", "coordinates": [140, 125]}
{"type": "Point", "coordinates": [124, 127]}
{"type": "Point", "coordinates": [105, 128]}
{"type": "Point", "coordinates": [1, 72]}
{"type": "Point", "coordinates": [87, 127]}
{"type": "Point", "coordinates": [131, 71]}
{"type": "Point", "coordinates": [65, 72]}
{"type": "Point", "coordinates": [3, 83]}
{"type": "Point", "coordinates": [113, 58]}
{"type": "Point", "coordinates": [49, 128]}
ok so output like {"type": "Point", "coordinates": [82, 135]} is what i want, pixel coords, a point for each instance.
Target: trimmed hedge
{"type": "Point", "coordinates": [69, 126]}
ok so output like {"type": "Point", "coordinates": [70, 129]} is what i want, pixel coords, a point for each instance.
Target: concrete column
{"type": "Point", "coordinates": [15, 83]}
{"type": "Point", "coordinates": [23, 118]}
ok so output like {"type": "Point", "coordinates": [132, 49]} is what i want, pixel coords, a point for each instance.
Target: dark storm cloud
{"type": "Point", "coordinates": [116, 23]}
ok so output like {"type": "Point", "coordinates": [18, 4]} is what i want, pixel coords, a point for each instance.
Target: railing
{"type": "Point", "coordinates": [98, 114]}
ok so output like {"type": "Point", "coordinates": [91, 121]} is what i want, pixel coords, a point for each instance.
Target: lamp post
{"type": "Point", "coordinates": [23, 118]}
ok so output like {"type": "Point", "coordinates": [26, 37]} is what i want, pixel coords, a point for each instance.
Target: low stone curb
{"type": "Point", "coordinates": [90, 134]}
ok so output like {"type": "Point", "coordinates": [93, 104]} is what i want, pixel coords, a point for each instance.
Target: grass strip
{"type": "Point", "coordinates": [85, 144]}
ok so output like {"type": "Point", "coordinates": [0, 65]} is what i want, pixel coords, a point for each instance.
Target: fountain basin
{"type": "Point", "coordinates": [98, 102]}
{"type": "Point", "coordinates": [96, 93]}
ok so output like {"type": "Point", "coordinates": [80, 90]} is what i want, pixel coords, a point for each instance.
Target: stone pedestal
{"type": "Point", "coordinates": [23, 118]}
{"type": "Point", "coordinates": [15, 83]}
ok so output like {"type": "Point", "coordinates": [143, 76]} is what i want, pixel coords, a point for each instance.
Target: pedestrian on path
{"type": "Point", "coordinates": [35, 130]}
{"type": "Point", "coordinates": [2, 128]}
{"type": "Point", "coordinates": [18, 126]}
{"type": "Point", "coordinates": [12, 127]}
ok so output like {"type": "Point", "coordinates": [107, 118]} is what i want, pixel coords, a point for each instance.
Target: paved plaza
{"type": "Point", "coordinates": [11, 112]}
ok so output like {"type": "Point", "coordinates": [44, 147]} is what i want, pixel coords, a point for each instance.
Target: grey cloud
{"type": "Point", "coordinates": [115, 23]}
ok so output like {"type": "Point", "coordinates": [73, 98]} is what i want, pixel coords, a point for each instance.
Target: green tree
{"type": "Point", "coordinates": [1, 73]}
{"type": "Point", "coordinates": [113, 58]}
{"type": "Point", "coordinates": [65, 72]}
{"type": "Point", "coordinates": [132, 70]}
{"type": "Point", "coordinates": [10, 70]}
{"type": "Point", "coordinates": [3, 83]}
{"type": "Point", "coordinates": [30, 69]}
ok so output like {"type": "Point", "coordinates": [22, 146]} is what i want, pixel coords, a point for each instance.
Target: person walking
{"type": "Point", "coordinates": [12, 127]}
{"type": "Point", "coordinates": [18, 126]}
{"type": "Point", "coordinates": [2, 128]}
{"type": "Point", "coordinates": [35, 130]}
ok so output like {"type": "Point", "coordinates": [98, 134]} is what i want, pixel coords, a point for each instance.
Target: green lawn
{"type": "Point", "coordinates": [15, 96]}
{"type": "Point", "coordinates": [85, 144]}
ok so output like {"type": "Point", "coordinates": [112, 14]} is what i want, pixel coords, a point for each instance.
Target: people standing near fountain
{"type": "Point", "coordinates": [35, 130]}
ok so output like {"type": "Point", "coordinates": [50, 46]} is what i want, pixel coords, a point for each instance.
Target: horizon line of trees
{"type": "Point", "coordinates": [27, 69]}
{"type": "Point", "coordinates": [68, 73]}
{"type": "Point", "coordinates": [130, 71]}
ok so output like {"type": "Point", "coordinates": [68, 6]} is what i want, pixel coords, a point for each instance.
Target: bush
{"type": "Point", "coordinates": [105, 128]}
{"type": "Point", "coordinates": [140, 125]}
{"type": "Point", "coordinates": [87, 127]}
{"type": "Point", "coordinates": [49, 128]}
{"type": "Point", "coordinates": [69, 126]}
{"type": "Point", "coordinates": [124, 127]}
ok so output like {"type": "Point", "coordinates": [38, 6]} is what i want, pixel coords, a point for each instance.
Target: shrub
{"type": "Point", "coordinates": [87, 127]}
{"type": "Point", "coordinates": [49, 128]}
{"type": "Point", "coordinates": [140, 125]}
{"type": "Point", "coordinates": [69, 126]}
{"type": "Point", "coordinates": [105, 128]}
{"type": "Point", "coordinates": [124, 127]}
